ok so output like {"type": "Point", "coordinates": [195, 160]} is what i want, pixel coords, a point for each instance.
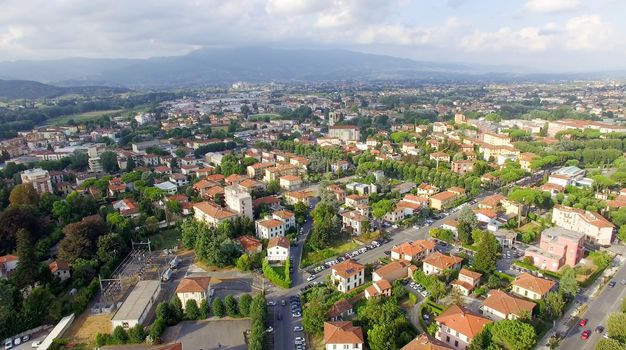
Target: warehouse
{"type": "Point", "coordinates": [137, 305]}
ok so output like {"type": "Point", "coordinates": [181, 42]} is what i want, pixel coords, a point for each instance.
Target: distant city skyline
{"type": "Point", "coordinates": [530, 35]}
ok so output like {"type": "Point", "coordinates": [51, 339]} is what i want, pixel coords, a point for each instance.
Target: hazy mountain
{"type": "Point", "coordinates": [257, 64]}
{"type": "Point", "coordinates": [25, 89]}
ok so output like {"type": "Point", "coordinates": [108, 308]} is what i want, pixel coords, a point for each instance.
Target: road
{"type": "Point", "coordinates": [608, 301]}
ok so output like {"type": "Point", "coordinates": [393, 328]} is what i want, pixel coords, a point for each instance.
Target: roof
{"type": "Point", "coordinates": [138, 300]}
{"type": "Point", "coordinates": [355, 215]}
{"type": "Point", "coordinates": [443, 196]}
{"type": "Point", "coordinates": [249, 243]}
{"type": "Point", "coordinates": [290, 178]}
{"type": "Point", "coordinates": [451, 223]}
{"type": "Point", "coordinates": [59, 266]}
{"type": "Point", "coordinates": [486, 212]}
{"type": "Point", "coordinates": [284, 214]}
{"type": "Point", "coordinates": [507, 304]}
{"type": "Point", "coordinates": [348, 268]}
{"type": "Point", "coordinates": [342, 333]}
{"type": "Point", "coordinates": [590, 217]}
{"type": "Point", "coordinates": [471, 274]}
{"type": "Point", "coordinates": [492, 200]}
{"type": "Point", "coordinates": [270, 223]}
{"type": "Point", "coordinates": [463, 284]}
{"type": "Point", "coordinates": [441, 261]}
{"type": "Point", "coordinates": [339, 308]}
{"type": "Point", "coordinates": [265, 200]}
{"type": "Point", "coordinates": [424, 342]}
{"type": "Point", "coordinates": [278, 242]}
{"type": "Point", "coordinates": [193, 284]}
{"type": "Point", "coordinates": [463, 320]}
{"type": "Point", "coordinates": [385, 270]}
{"type": "Point", "coordinates": [8, 258]}
{"type": "Point", "coordinates": [534, 284]}
{"type": "Point", "coordinates": [204, 183]}
{"type": "Point", "coordinates": [214, 210]}
{"type": "Point", "coordinates": [414, 248]}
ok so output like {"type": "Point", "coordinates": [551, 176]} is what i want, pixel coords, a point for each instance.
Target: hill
{"type": "Point", "coordinates": [25, 89]}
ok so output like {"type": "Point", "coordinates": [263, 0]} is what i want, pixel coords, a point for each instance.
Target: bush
{"type": "Point", "coordinates": [192, 312]}
{"type": "Point", "coordinates": [218, 307]}
{"type": "Point", "coordinates": [203, 311]}
{"type": "Point", "coordinates": [157, 329]}
{"type": "Point", "coordinates": [244, 305]}
{"type": "Point", "coordinates": [231, 306]}
{"type": "Point", "coordinates": [136, 334]}
{"type": "Point", "coordinates": [274, 277]}
{"type": "Point", "coordinates": [119, 336]}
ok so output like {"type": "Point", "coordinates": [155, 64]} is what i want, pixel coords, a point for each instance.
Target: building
{"type": "Point", "coordinates": [212, 214]}
{"type": "Point", "coordinates": [251, 245]}
{"type": "Point", "coordinates": [8, 263]}
{"type": "Point", "coordinates": [557, 247]}
{"type": "Point", "coordinates": [290, 182]}
{"type": "Point", "coordinates": [594, 226]}
{"type": "Point", "coordinates": [506, 238]}
{"type": "Point", "coordinates": [286, 216]}
{"type": "Point", "coordinates": [462, 167]}
{"type": "Point", "coordinates": [496, 139]}
{"type": "Point", "coordinates": [167, 187]}
{"type": "Point", "coordinates": [354, 200]}
{"type": "Point", "coordinates": [60, 269]}
{"type": "Point", "coordinates": [413, 251]}
{"type": "Point", "coordinates": [425, 189]}
{"type": "Point", "coordinates": [436, 263]}
{"type": "Point", "coordinates": [194, 288]}
{"type": "Point", "coordinates": [458, 326]}
{"type": "Point", "coordinates": [343, 335]}
{"type": "Point", "coordinates": [501, 306]}
{"type": "Point", "coordinates": [39, 179]}
{"type": "Point", "coordinates": [467, 281]}
{"type": "Point", "coordinates": [424, 342]}
{"type": "Point", "coordinates": [127, 207]}
{"type": "Point", "coordinates": [557, 126]}
{"type": "Point", "coordinates": [269, 228]}
{"type": "Point", "coordinates": [295, 197]}
{"type": "Point", "coordinates": [340, 309]}
{"type": "Point", "coordinates": [531, 287]}
{"type": "Point", "coordinates": [393, 271]}
{"type": "Point", "coordinates": [443, 200]}
{"type": "Point", "coordinates": [378, 288]}
{"type": "Point", "coordinates": [347, 275]}
{"type": "Point", "coordinates": [278, 249]}
{"type": "Point", "coordinates": [239, 200]}
{"type": "Point", "coordinates": [345, 133]}
{"type": "Point", "coordinates": [138, 305]}
{"type": "Point", "coordinates": [354, 221]}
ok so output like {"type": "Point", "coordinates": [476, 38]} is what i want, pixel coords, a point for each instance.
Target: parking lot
{"type": "Point", "coordinates": [209, 334]}
{"type": "Point", "coordinates": [37, 337]}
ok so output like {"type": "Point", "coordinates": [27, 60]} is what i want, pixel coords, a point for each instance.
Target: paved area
{"type": "Point", "coordinates": [209, 334]}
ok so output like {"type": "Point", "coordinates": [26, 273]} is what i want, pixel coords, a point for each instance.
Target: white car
{"type": "Point", "coordinates": [35, 344]}
{"type": "Point", "coordinates": [8, 344]}
{"type": "Point", "coordinates": [269, 329]}
{"type": "Point", "coordinates": [298, 329]}
{"type": "Point", "coordinates": [311, 278]}
{"type": "Point", "coordinates": [300, 339]}
{"type": "Point", "coordinates": [271, 303]}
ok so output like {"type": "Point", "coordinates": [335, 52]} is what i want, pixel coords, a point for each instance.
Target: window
{"type": "Point", "coordinates": [456, 343]}
{"type": "Point", "coordinates": [447, 339]}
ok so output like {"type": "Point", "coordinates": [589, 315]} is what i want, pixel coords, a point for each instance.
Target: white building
{"type": "Point", "coordinates": [593, 225]}
{"type": "Point", "coordinates": [39, 179]}
{"type": "Point", "coordinates": [167, 187]}
{"type": "Point", "coordinates": [286, 216]}
{"type": "Point", "coordinates": [269, 228]}
{"type": "Point", "coordinates": [343, 336]}
{"type": "Point", "coordinates": [238, 200]}
{"type": "Point", "coordinates": [137, 305]}
{"type": "Point", "coordinates": [194, 288]}
{"type": "Point", "coordinates": [347, 275]}
{"type": "Point", "coordinates": [278, 249]}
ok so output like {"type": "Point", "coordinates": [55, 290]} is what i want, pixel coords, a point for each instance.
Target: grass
{"type": "Point", "coordinates": [165, 239]}
{"type": "Point", "coordinates": [279, 269]}
{"type": "Point", "coordinates": [337, 248]}
{"type": "Point", "coordinates": [81, 117]}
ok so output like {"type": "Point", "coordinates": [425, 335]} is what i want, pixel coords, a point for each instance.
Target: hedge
{"type": "Point", "coordinates": [274, 277]}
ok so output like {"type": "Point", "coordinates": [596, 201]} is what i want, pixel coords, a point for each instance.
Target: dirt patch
{"type": "Point", "coordinates": [87, 325]}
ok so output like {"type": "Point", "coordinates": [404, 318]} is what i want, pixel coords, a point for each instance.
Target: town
{"type": "Point", "coordinates": [318, 216]}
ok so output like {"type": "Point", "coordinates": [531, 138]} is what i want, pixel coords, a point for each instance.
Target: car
{"type": "Point", "coordinates": [269, 329]}
{"type": "Point", "coordinates": [624, 282]}
{"type": "Point", "coordinates": [271, 303]}
{"type": "Point", "coordinates": [583, 322]}
{"type": "Point", "coordinates": [25, 338]}
{"type": "Point", "coordinates": [296, 314]}
{"type": "Point", "coordinates": [298, 329]}
{"type": "Point", "coordinates": [612, 284]}
{"type": "Point", "coordinates": [599, 329]}
{"type": "Point", "coordinates": [17, 341]}
{"type": "Point", "coordinates": [283, 302]}
{"type": "Point", "coordinates": [311, 278]}
{"type": "Point", "coordinates": [300, 339]}
{"type": "Point", "coordinates": [35, 344]}
{"type": "Point", "coordinates": [8, 344]}
{"type": "Point", "coordinates": [426, 317]}
{"type": "Point", "coordinates": [606, 335]}
{"type": "Point", "coordinates": [585, 335]}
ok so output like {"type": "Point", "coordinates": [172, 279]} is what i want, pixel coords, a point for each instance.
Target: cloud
{"type": "Point", "coordinates": [552, 6]}
{"type": "Point", "coordinates": [408, 35]}
{"type": "Point", "coordinates": [589, 33]}
{"type": "Point", "coordinates": [296, 7]}
{"type": "Point", "coordinates": [525, 39]}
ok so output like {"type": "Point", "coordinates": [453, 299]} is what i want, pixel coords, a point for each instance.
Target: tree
{"type": "Point", "coordinates": [217, 307]}
{"type": "Point", "coordinates": [176, 310]}
{"type": "Point", "coordinates": [231, 306]}
{"type": "Point", "coordinates": [80, 238]}
{"type": "Point", "coordinates": [609, 344]}
{"type": "Point", "coordinates": [513, 335]}
{"type": "Point", "coordinates": [467, 222]}
{"type": "Point", "coordinates": [136, 334]}
{"type": "Point", "coordinates": [300, 211]}
{"type": "Point", "coordinates": [486, 253]}
{"type": "Point", "coordinates": [27, 267]}
{"type": "Point", "coordinates": [151, 224]}
{"type": "Point", "coordinates": [203, 310]}
{"type": "Point", "coordinates": [273, 187]}
{"type": "Point", "coordinates": [189, 230]}
{"type": "Point", "coordinates": [616, 326]}
{"type": "Point", "coordinates": [245, 302]}
{"type": "Point", "coordinates": [108, 160]}
{"type": "Point", "coordinates": [24, 194]}
{"type": "Point", "coordinates": [382, 207]}
{"type": "Point", "coordinates": [110, 247]}
{"type": "Point", "coordinates": [482, 340]}
{"type": "Point", "coordinates": [192, 312]}
{"type": "Point", "coordinates": [381, 337]}
{"type": "Point", "coordinates": [325, 225]}
{"type": "Point", "coordinates": [243, 262]}
{"type": "Point", "coordinates": [553, 306]}
{"type": "Point", "coordinates": [62, 211]}
{"type": "Point", "coordinates": [568, 285]}
{"type": "Point", "coordinates": [40, 307]}
{"type": "Point", "coordinates": [119, 336]}
{"type": "Point", "coordinates": [313, 317]}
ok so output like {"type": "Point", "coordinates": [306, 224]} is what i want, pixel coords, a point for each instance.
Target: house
{"type": "Point", "coordinates": [552, 188]}
{"type": "Point", "coordinates": [496, 139]}
{"type": "Point", "coordinates": [397, 269]}
{"type": "Point", "coordinates": [179, 179]}
{"type": "Point", "coordinates": [269, 228]}
{"type": "Point", "coordinates": [437, 263]}
{"type": "Point", "coordinates": [420, 200]}
{"type": "Point", "coordinates": [557, 247]}
{"type": "Point", "coordinates": [127, 207]}
{"type": "Point", "coordinates": [412, 251]}
{"type": "Point", "coordinates": [462, 167]}
{"type": "Point", "coordinates": [531, 287]}
{"type": "Point", "coordinates": [424, 342]}
{"type": "Point", "coordinates": [362, 189]}
{"type": "Point", "coordinates": [340, 309]}
{"type": "Point", "coordinates": [234, 179]}
{"type": "Point", "coordinates": [286, 216]}
{"type": "Point", "coordinates": [506, 238]}
{"type": "Point", "coordinates": [526, 160]}
{"type": "Point", "coordinates": [443, 200]}
{"type": "Point", "coordinates": [491, 202]}
{"type": "Point", "coordinates": [167, 187]}
{"type": "Point", "coordinates": [485, 215]}
{"type": "Point", "coordinates": [238, 200]}
{"type": "Point", "coordinates": [39, 179]}
{"type": "Point", "coordinates": [343, 335]}
{"type": "Point", "coordinates": [345, 133]}
{"type": "Point", "coordinates": [466, 281]}
{"type": "Point", "coordinates": [594, 226]}
{"type": "Point", "coordinates": [502, 306]}
{"type": "Point", "coordinates": [274, 173]}
{"type": "Point", "coordinates": [440, 157]}
{"type": "Point", "coordinates": [451, 225]}
{"type": "Point", "coordinates": [203, 186]}
{"type": "Point", "coordinates": [347, 275]}
{"type": "Point", "coordinates": [252, 185]}
{"type": "Point", "coordinates": [60, 269]}
{"type": "Point", "coordinates": [299, 197]}
{"type": "Point", "coordinates": [457, 326]}
{"type": "Point", "coordinates": [194, 288]}
{"type": "Point", "coordinates": [212, 214]}
{"type": "Point", "coordinates": [378, 288]}
{"type": "Point", "coordinates": [354, 200]}
{"type": "Point", "coordinates": [278, 249]}
{"type": "Point", "coordinates": [340, 194]}
{"type": "Point", "coordinates": [257, 170]}
{"type": "Point", "coordinates": [290, 182]}
{"type": "Point", "coordinates": [8, 263]}
{"type": "Point", "coordinates": [250, 244]}
{"type": "Point", "coordinates": [354, 221]}
{"type": "Point", "coordinates": [137, 305]}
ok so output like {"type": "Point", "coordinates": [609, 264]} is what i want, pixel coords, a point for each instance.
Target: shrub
{"type": "Point", "coordinates": [231, 306]}
{"type": "Point", "coordinates": [244, 305]}
{"type": "Point", "coordinates": [192, 312]}
{"type": "Point", "coordinates": [218, 307]}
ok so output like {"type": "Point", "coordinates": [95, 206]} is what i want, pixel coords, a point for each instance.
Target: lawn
{"type": "Point", "coordinates": [165, 239]}
{"type": "Point", "coordinates": [337, 248]}
{"type": "Point", "coordinates": [81, 117]}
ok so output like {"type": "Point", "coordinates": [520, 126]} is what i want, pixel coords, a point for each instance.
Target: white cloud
{"type": "Point", "coordinates": [552, 6]}
{"type": "Point", "coordinates": [296, 7]}
{"type": "Point", "coordinates": [588, 33]}
{"type": "Point", "coordinates": [392, 34]}
{"type": "Point", "coordinates": [526, 39]}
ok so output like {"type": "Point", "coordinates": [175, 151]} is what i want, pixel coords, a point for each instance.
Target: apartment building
{"type": "Point", "coordinates": [594, 226]}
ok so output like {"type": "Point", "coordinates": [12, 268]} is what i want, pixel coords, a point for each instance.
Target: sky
{"type": "Point", "coordinates": [537, 35]}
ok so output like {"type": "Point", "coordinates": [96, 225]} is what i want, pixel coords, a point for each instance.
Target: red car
{"type": "Point", "coordinates": [583, 322]}
{"type": "Point", "coordinates": [585, 335]}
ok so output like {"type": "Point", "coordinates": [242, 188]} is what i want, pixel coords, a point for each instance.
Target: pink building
{"type": "Point", "coordinates": [558, 247]}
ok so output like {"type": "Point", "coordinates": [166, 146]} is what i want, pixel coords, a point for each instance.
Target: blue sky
{"type": "Point", "coordinates": [540, 35]}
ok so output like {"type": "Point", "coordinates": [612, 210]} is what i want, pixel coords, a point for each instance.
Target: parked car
{"type": "Point", "coordinates": [583, 322]}
{"type": "Point", "coordinates": [25, 338]}
{"type": "Point", "coordinates": [298, 329]}
{"type": "Point", "coordinates": [8, 344]}
{"type": "Point", "coordinates": [311, 278]}
{"type": "Point", "coordinates": [585, 335]}
{"type": "Point", "coordinates": [612, 284]}
{"type": "Point", "coordinates": [35, 344]}
{"type": "Point", "coordinates": [296, 314]}
{"type": "Point", "coordinates": [271, 303]}
{"type": "Point", "coordinates": [17, 341]}
{"type": "Point", "coordinates": [599, 329]}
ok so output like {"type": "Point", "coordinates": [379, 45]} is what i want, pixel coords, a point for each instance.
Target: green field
{"type": "Point", "coordinates": [165, 239]}
{"type": "Point", "coordinates": [80, 117]}
{"type": "Point", "coordinates": [338, 248]}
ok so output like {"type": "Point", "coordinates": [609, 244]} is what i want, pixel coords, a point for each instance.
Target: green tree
{"type": "Point", "coordinates": [40, 307]}
{"type": "Point", "coordinates": [301, 212]}
{"type": "Point", "coordinates": [243, 262]}
{"type": "Point", "coordinates": [273, 187]}
{"type": "Point", "coordinates": [110, 247]}
{"type": "Point", "coordinates": [381, 337]}
{"type": "Point", "coordinates": [24, 194]}
{"type": "Point", "coordinates": [62, 211]}
{"type": "Point", "coordinates": [245, 302]}
{"type": "Point", "coordinates": [467, 222]}
{"type": "Point", "coordinates": [513, 335]}
{"type": "Point", "coordinates": [108, 160]}
{"type": "Point", "coordinates": [28, 265]}
{"type": "Point", "coordinates": [218, 307]}
{"type": "Point", "coordinates": [151, 225]}
{"type": "Point", "coordinates": [616, 326]}
{"type": "Point", "coordinates": [119, 336]}
{"type": "Point", "coordinates": [192, 312]}
{"type": "Point", "coordinates": [313, 316]}
{"type": "Point", "coordinates": [553, 306]}
{"type": "Point", "coordinates": [486, 253]}
{"type": "Point", "coordinates": [136, 334]}
{"type": "Point", "coordinates": [231, 306]}
{"type": "Point", "coordinates": [482, 340]}
{"type": "Point", "coordinates": [568, 285]}
{"type": "Point", "coordinates": [203, 310]}
{"type": "Point", "coordinates": [176, 310]}
{"type": "Point", "coordinates": [609, 344]}
{"type": "Point", "coordinates": [382, 207]}
{"type": "Point", "coordinates": [325, 225]}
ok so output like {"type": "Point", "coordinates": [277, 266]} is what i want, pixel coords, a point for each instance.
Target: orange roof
{"type": "Point", "coordinates": [214, 191]}
{"type": "Point", "coordinates": [590, 217]}
{"type": "Point", "coordinates": [249, 243]}
{"type": "Point", "coordinates": [356, 197]}
{"type": "Point", "coordinates": [299, 194]}
{"type": "Point", "coordinates": [284, 214]}
{"type": "Point", "coordinates": [348, 268]}
{"type": "Point", "coordinates": [414, 248]}
{"type": "Point", "coordinates": [278, 242]}
{"type": "Point", "coordinates": [452, 223]}
{"type": "Point", "coordinates": [339, 307]}
{"type": "Point", "coordinates": [290, 178]}
{"type": "Point", "coordinates": [342, 333]}
{"type": "Point", "coordinates": [249, 183]}
{"type": "Point", "coordinates": [424, 342]}
{"type": "Point", "coordinates": [8, 258]}
{"type": "Point", "coordinates": [443, 196]}
{"type": "Point", "coordinates": [441, 261]}
{"type": "Point", "coordinates": [390, 268]}
{"type": "Point", "coordinates": [234, 177]}
{"type": "Point", "coordinates": [492, 200]}
{"type": "Point", "coordinates": [214, 210]}
{"type": "Point", "coordinates": [534, 284]}
{"type": "Point", "coordinates": [215, 177]}
{"type": "Point", "coordinates": [58, 265]}
{"type": "Point", "coordinates": [463, 284]}
{"type": "Point", "coordinates": [463, 320]}
{"type": "Point", "coordinates": [486, 212]}
{"type": "Point", "coordinates": [270, 223]}
{"type": "Point", "coordinates": [456, 189]}
{"type": "Point", "coordinates": [507, 304]}
{"type": "Point", "coordinates": [471, 274]}
{"type": "Point", "coordinates": [194, 284]}
{"type": "Point", "coordinates": [202, 184]}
